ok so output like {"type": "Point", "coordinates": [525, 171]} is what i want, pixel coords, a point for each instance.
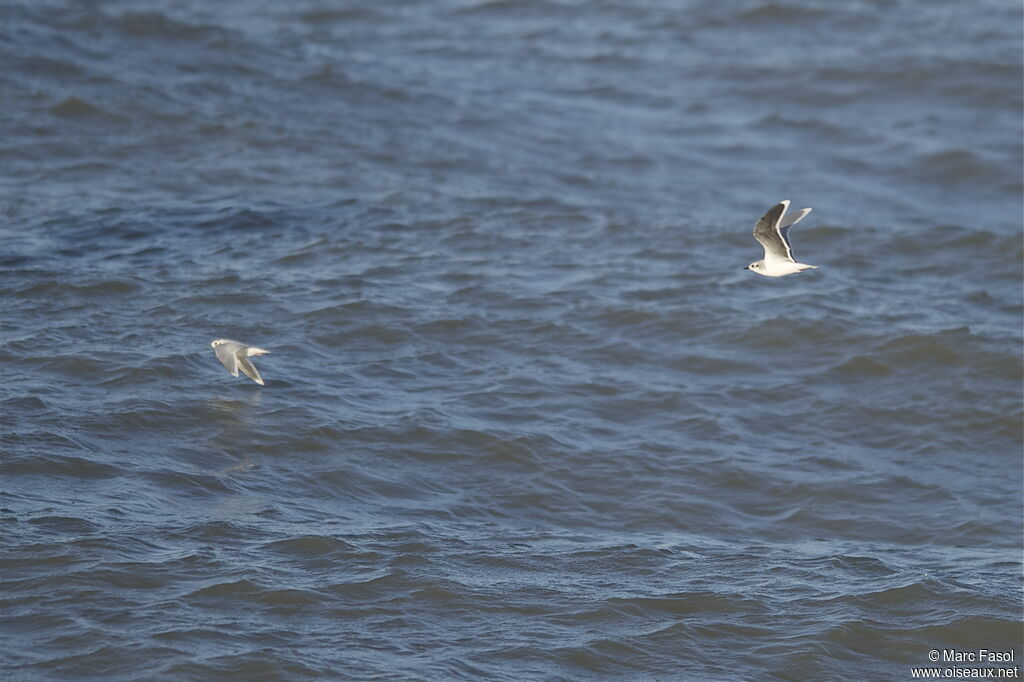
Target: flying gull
{"type": "Point", "coordinates": [772, 231]}
{"type": "Point", "coordinates": [235, 356]}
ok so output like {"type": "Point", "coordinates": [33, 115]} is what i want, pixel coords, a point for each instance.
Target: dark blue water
{"type": "Point", "coordinates": [525, 415]}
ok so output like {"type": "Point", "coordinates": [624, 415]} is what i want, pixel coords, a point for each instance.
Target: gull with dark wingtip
{"type": "Point", "coordinates": [772, 231]}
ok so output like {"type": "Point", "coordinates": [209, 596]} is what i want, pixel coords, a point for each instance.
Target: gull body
{"type": "Point", "coordinates": [235, 356]}
{"type": "Point", "coordinates": [772, 232]}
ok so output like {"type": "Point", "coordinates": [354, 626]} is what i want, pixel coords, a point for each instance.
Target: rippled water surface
{"type": "Point", "coordinates": [525, 415]}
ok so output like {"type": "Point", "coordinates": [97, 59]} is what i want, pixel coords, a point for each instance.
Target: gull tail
{"type": "Point", "coordinates": [252, 350]}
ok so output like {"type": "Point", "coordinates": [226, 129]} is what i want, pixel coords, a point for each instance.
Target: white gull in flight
{"type": "Point", "coordinates": [772, 231]}
{"type": "Point", "coordinates": [235, 356]}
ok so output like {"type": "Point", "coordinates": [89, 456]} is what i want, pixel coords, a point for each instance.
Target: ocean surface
{"type": "Point", "coordinates": [526, 417]}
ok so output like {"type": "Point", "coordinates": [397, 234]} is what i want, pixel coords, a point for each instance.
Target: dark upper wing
{"type": "Point", "coordinates": [767, 232]}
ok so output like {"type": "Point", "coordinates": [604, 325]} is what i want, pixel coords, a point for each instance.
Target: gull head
{"type": "Point", "coordinates": [218, 342]}
{"type": "Point", "coordinates": [756, 266]}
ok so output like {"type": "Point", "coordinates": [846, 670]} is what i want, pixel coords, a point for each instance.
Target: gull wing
{"type": "Point", "coordinates": [246, 366]}
{"type": "Point", "coordinates": [788, 222]}
{"type": "Point", "coordinates": [228, 356]}
{"type": "Point", "coordinates": [768, 234]}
